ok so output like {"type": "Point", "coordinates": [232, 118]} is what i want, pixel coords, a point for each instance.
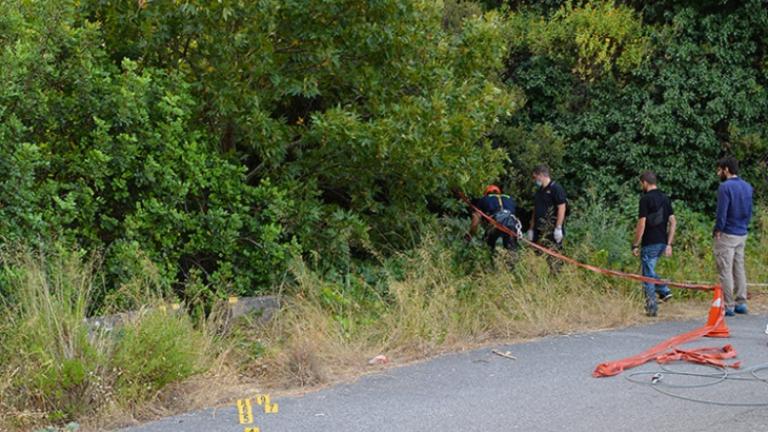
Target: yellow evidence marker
{"type": "Point", "coordinates": [245, 411]}
{"type": "Point", "coordinates": [269, 407]}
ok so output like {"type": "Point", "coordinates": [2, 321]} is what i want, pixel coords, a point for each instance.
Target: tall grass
{"type": "Point", "coordinates": [54, 367]}
{"type": "Point", "coordinates": [445, 296]}
{"type": "Point", "coordinates": [433, 310]}
{"type": "Point", "coordinates": [47, 357]}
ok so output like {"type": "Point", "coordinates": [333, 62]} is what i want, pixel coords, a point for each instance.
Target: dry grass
{"type": "Point", "coordinates": [317, 339]}
{"type": "Point", "coordinates": [433, 311]}
{"type": "Point", "coordinates": [55, 368]}
{"type": "Point", "coordinates": [309, 350]}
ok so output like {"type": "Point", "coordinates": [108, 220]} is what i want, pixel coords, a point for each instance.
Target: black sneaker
{"type": "Point", "coordinates": [665, 297]}
{"type": "Point", "coordinates": [651, 312]}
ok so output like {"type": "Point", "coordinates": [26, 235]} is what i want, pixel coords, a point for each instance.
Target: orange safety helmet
{"type": "Point", "coordinates": [492, 189]}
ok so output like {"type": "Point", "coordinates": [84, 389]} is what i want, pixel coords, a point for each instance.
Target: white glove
{"type": "Point", "coordinates": [558, 235]}
{"type": "Point", "coordinates": [529, 235]}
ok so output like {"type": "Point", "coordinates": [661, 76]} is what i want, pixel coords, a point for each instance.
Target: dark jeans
{"type": "Point", "coordinates": [493, 236]}
{"type": "Point", "coordinates": [548, 241]}
{"type": "Point", "coordinates": [649, 255]}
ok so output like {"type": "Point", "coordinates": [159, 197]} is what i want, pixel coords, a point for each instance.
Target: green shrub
{"type": "Point", "coordinates": [592, 37]}
{"type": "Point", "coordinates": [46, 354]}
{"type": "Point", "coordinates": [110, 156]}
{"type": "Point", "coordinates": [158, 349]}
{"type": "Point", "coordinates": [692, 89]}
{"type": "Point", "coordinates": [55, 367]}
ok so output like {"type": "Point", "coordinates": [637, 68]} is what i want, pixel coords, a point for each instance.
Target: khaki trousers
{"type": "Point", "coordinates": [729, 258]}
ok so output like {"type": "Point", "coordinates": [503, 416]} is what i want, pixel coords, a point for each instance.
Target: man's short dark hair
{"type": "Point", "coordinates": [729, 162]}
{"type": "Point", "coordinates": [541, 170]}
{"type": "Point", "coordinates": [649, 177]}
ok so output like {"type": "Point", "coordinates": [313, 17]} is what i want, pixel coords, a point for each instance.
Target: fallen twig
{"type": "Point", "coordinates": [504, 354]}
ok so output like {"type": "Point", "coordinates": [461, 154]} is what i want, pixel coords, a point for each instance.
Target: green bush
{"type": "Point", "coordinates": [55, 367]}
{"type": "Point", "coordinates": [696, 93]}
{"type": "Point", "coordinates": [249, 134]}
{"type": "Point", "coordinates": [156, 350]}
{"type": "Point", "coordinates": [593, 37]}
{"type": "Point", "coordinates": [362, 112]}
{"type": "Point", "coordinates": [47, 356]}
{"type": "Point", "coordinates": [109, 155]}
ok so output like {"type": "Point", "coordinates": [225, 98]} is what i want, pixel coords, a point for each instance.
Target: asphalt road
{"type": "Point", "coordinates": [549, 388]}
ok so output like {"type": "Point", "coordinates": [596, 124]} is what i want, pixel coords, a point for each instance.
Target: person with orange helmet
{"type": "Point", "coordinates": [502, 208]}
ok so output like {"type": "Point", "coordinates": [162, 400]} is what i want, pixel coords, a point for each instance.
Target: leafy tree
{"type": "Point", "coordinates": [109, 156]}
{"type": "Point", "coordinates": [593, 37]}
{"type": "Point", "coordinates": [696, 94]}
{"type": "Point", "coordinates": [221, 138]}
{"type": "Point", "coordinates": [360, 110]}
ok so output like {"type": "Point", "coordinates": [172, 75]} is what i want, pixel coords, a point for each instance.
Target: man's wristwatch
{"type": "Point", "coordinates": [634, 246]}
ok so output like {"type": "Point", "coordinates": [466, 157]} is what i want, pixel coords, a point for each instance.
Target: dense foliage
{"type": "Point", "coordinates": [219, 139]}
{"type": "Point", "coordinates": [667, 86]}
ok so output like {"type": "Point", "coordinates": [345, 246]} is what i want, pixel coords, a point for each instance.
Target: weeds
{"type": "Point", "coordinates": [434, 304]}
{"type": "Point", "coordinates": [54, 367]}
{"type": "Point", "coordinates": [443, 295]}
{"type": "Point", "coordinates": [48, 359]}
{"type": "Point", "coordinates": [154, 351]}
{"type": "Point", "coordinates": [432, 310]}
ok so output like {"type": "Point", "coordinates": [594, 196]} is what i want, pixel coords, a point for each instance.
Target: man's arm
{"type": "Point", "coordinates": [475, 223]}
{"type": "Point", "coordinates": [642, 216]}
{"type": "Point", "coordinates": [560, 215]}
{"type": "Point", "coordinates": [639, 231]}
{"type": "Point", "coordinates": [672, 228]}
{"type": "Point", "coordinates": [723, 201]}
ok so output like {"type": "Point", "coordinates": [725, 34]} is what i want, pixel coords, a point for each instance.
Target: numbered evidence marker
{"type": "Point", "coordinates": [245, 411]}
{"type": "Point", "coordinates": [269, 407]}
{"type": "Point", "coordinates": [252, 429]}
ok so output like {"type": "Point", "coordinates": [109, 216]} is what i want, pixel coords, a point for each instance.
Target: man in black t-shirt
{"type": "Point", "coordinates": [550, 203]}
{"type": "Point", "coordinates": [654, 235]}
{"type": "Point", "coordinates": [501, 208]}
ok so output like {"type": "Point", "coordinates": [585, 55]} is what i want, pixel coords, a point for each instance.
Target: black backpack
{"type": "Point", "coordinates": [503, 216]}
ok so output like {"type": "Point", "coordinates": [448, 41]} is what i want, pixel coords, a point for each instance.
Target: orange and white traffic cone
{"type": "Point", "coordinates": [716, 319]}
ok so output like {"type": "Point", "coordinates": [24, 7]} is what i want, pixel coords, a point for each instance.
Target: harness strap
{"type": "Point", "coordinates": [516, 222]}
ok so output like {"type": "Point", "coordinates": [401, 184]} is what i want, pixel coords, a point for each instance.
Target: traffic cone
{"type": "Point", "coordinates": [716, 318]}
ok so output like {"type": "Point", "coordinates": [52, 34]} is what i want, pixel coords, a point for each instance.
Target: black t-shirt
{"type": "Point", "coordinates": [656, 208]}
{"type": "Point", "coordinates": [545, 203]}
{"type": "Point", "coordinates": [492, 203]}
